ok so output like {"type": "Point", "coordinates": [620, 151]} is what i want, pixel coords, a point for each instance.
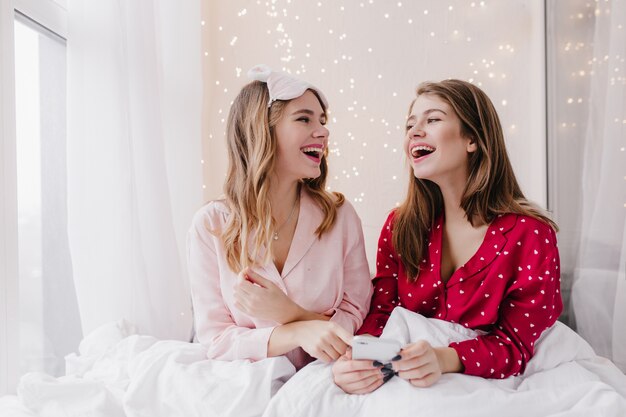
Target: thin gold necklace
{"type": "Point", "coordinates": [293, 209]}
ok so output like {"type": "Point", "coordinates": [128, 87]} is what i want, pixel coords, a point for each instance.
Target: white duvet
{"type": "Point", "coordinates": [119, 373]}
{"type": "Point", "coordinates": [564, 378]}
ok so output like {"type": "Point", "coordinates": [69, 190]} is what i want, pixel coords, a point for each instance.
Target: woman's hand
{"type": "Point", "coordinates": [422, 365]}
{"type": "Point", "coordinates": [324, 340]}
{"type": "Point", "coordinates": [359, 376]}
{"type": "Point", "coordinates": [261, 298]}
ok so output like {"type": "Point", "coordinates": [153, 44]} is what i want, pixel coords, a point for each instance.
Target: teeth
{"type": "Point", "coordinates": [312, 149]}
{"type": "Point", "coordinates": [414, 151]}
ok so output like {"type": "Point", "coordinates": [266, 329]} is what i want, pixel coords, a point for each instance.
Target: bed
{"type": "Point", "coordinates": [120, 373]}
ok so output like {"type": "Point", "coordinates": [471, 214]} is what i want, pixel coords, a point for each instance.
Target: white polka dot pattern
{"type": "Point", "coordinates": [509, 288]}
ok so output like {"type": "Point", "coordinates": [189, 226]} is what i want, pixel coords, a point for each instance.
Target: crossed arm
{"type": "Point", "coordinates": [313, 332]}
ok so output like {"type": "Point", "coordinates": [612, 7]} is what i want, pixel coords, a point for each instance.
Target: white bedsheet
{"type": "Point", "coordinates": [121, 374]}
{"type": "Point", "coordinates": [564, 378]}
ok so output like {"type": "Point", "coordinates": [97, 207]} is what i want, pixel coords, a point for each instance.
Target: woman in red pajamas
{"type": "Point", "coordinates": [465, 246]}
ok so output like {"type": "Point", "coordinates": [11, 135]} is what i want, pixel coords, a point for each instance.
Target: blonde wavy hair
{"type": "Point", "coordinates": [252, 150]}
{"type": "Point", "coordinates": [491, 188]}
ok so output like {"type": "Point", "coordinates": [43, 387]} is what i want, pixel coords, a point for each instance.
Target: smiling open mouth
{"type": "Point", "coordinates": [313, 153]}
{"type": "Point", "coordinates": [421, 150]}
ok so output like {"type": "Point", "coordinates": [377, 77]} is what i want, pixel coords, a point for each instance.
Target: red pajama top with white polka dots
{"type": "Point", "coordinates": [510, 288]}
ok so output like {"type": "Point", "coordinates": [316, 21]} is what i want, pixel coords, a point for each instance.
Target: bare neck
{"type": "Point", "coordinates": [283, 195]}
{"type": "Point", "coordinates": [454, 213]}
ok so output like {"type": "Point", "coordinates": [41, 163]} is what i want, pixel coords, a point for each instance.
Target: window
{"type": "Point", "coordinates": [39, 321]}
{"type": "Point", "coordinates": [48, 311]}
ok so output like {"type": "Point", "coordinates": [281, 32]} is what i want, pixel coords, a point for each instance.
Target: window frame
{"type": "Point", "coordinates": [9, 315]}
{"type": "Point", "coordinates": [52, 15]}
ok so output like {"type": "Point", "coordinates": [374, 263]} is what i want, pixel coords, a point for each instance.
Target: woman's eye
{"type": "Point", "coordinates": [409, 127]}
{"type": "Point", "coordinates": [303, 119]}
{"type": "Point", "coordinates": [433, 120]}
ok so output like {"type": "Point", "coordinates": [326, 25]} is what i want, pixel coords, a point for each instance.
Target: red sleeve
{"type": "Point", "coordinates": [531, 304]}
{"type": "Point", "coordinates": [385, 297]}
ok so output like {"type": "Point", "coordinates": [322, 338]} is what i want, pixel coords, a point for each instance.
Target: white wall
{"type": "Point", "coordinates": [368, 56]}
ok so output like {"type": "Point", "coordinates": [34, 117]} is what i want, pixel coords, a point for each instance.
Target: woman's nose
{"type": "Point", "coordinates": [416, 131]}
{"type": "Point", "coordinates": [321, 132]}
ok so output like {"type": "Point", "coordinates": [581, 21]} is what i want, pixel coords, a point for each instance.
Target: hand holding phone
{"type": "Point", "coordinates": [372, 348]}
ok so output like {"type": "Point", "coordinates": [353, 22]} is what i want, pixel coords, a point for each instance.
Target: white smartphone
{"type": "Point", "coordinates": [372, 348]}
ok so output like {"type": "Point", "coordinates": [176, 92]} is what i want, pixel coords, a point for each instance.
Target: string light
{"type": "Point", "coordinates": [372, 100]}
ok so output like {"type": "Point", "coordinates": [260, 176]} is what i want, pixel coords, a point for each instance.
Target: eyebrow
{"type": "Point", "coordinates": [306, 111]}
{"type": "Point", "coordinates": [427, 112]}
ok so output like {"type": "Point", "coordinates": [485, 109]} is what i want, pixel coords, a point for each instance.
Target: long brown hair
{"type": "Point", "coordinates": [252, 151]}
{"type": "Point", "coordinates": [491, 188]}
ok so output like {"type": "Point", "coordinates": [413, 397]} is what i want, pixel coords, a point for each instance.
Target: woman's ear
{"type": "Point", "coordinates": [472, 146]}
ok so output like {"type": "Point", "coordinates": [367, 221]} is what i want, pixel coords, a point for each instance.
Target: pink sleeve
{"type": "Point", "coordinates": [385, 297]}
{"type": "Point", "coordinates": [530, 305]}
{"type": "Point", "coordinates": [357, 287]}
{"type": "Point", "coordinates": [214, 325]}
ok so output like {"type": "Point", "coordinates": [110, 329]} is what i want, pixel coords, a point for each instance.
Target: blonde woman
{"type": "Point", "coordinates": [465, 246]}
{"type": "Point", "coordinates": [278, 266]}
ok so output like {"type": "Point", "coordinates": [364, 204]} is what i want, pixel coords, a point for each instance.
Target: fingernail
{"type": "Point", "coordinates": [386, 372]}
{"type": "Point", "coordinates": [377, 364]}
{"type": "Point", "coordinates": [388, 365]}
{"type": "Point", "coordinates": [387, 378]}
{"type": "Point", "coordinates": [396, 358]}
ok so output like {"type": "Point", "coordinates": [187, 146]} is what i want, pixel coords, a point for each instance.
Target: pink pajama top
{"type": "Point", "coordinates": [510, 289]}
{"type": "Point", "coordinates": [328, 276]}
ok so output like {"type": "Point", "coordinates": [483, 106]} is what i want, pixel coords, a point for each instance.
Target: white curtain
{"type": "Point", "coordinates": [599, 289]}
{"type": "Point", "coordinates": [134, 136]}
